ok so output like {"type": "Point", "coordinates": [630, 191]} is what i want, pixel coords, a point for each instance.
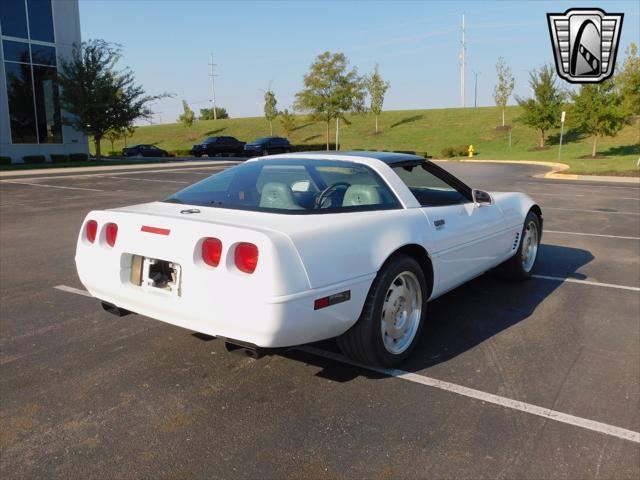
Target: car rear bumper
{"type": "Point", "coordinates": [264, 322]}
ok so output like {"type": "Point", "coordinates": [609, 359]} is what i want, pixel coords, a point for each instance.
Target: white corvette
{"type": "Point", "coordinates": [291, 249]}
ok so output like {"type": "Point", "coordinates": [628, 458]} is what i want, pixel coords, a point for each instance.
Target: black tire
{"type": "Point", "coordinates": [516, 268]}
{"type": "Point", "coordinates": [364, 341]}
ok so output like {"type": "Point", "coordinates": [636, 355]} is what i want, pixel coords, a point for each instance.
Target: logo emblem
{"type": "Point", "coordinates": [585, 43]}
{"type": "Point", "coordinates": [190, 210]}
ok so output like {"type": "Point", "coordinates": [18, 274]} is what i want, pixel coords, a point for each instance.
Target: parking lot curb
{"type": "Point", "coordinates": [557, 168]}
{"type": "Point", "coordinates": [108, 168]}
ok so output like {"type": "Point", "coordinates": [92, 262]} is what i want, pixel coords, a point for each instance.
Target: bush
{"type": "Point", "coordinates": [78, 157]}
{"type": "Point", "coordinates": [459, 151]}
{"type": "Point", "coordinates": [59, 157]}
{"type": "Point", "coordinates": [5, 160]}
{"type": "Point", "coordinates": [31, 159]}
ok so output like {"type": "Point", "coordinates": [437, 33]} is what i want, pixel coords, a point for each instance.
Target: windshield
{"type": "Point", "coordinates": [300, 186]}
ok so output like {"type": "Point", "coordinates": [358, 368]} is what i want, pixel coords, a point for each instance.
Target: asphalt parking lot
{"type": "Point", "coordinates": [539, 379]}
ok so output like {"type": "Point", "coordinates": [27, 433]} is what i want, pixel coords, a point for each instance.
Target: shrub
{"type": "Point", "coordinates": [5, 160]}
{"type": "Point", "coordinates": [31, 159]}
{"type": "Point", "coordinates": [458, 151]}
{"type": "Point", "coordinates": [78, 157]}
{"type": "Point", "coordinates": [59, 157]}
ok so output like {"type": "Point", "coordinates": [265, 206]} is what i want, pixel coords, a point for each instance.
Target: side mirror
{"type": "Point", "coordinates": [480, 198]}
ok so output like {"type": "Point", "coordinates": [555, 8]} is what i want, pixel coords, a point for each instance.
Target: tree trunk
{"type": "Point", "coordinates": [376, 124]}
{"type": "Point", "coordinates": [541, 138]}
{"type": "Point", "coordinates": [96, 141]}
{"type": "Point", "coordinates": [112, 148]}
{"type": "Point", "coordinates": [328, 134]}
{"type": "Point", "coordinates": [503, 116]}
{"type": "Point", "coordinates": [271, 127]}
{"type": "Point", "coordinates": [595, 143]}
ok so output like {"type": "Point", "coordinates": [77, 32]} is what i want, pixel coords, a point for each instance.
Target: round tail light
{"type": "Point", "coordinates": [112, 234]}
{"type": "Point", "coordinates": [211, 251]}
{"type": "Point", "coordinates": [246, 257]}
{"type": "Point", "coordinates": [91, 230]}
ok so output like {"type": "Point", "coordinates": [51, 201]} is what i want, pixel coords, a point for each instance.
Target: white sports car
{"type": "Point", "coordinates": [290, 249]}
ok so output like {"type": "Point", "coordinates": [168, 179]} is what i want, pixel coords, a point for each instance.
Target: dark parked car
{"type": "Point", "coordinates": [144, 151]}
{"type": "Point", "coordinates": [267, 146]}
{"type": "Point", "coordinates": [213, 146]}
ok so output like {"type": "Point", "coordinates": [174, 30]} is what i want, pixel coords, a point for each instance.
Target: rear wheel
{"type": "Point", "coordinates": [520, 266]}
{"type": "Point", "coordinates": [392, 318]}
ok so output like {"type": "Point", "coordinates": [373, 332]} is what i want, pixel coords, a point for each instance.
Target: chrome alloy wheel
{"type": "Point", "coordinates": [401, 313]}
{"type": "Point", "coordinates": [529, 246]}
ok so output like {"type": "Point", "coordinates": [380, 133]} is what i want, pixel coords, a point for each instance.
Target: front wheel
{"type": "Point", "coordinates": [391, 321]}
{"type": "Point", "coordinates": [520, 266]}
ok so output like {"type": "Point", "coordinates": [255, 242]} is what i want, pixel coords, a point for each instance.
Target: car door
{"type": "Point", "coordinates": [463, 239]}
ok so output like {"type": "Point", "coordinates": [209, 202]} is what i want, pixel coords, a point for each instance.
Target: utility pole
{"type": "Point", "coordinates": [213, 85]}
{"type": "Point", "coordinates": [475, 88]}
{"type": "Point", "coordinates": [463, 62]}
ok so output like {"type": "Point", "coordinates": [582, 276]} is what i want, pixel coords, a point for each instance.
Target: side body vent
{"type": "Point", "coordinates": [515, 242]}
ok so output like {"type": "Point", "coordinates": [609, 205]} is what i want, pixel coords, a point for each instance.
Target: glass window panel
{"type": "Point", "coordinates": [13, 18]}
{"type": "Point", "coordinates": [20, 94]}
{"type": "Point", "coordinates": [16, 51]}
{"type": "Point", "coordinates": [40, 20]}
{"type": "Point", "coordinates": [47, 104]}
{"type": "Point", "coordinates": [43, 54]}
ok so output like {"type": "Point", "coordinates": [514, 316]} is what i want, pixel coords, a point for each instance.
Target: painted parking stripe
{"type": "Point", "coordinates": [52, 186]}
{"type": "Point", "coordinates": [547, 413]}
{"type": "Point", "coordinates": [597, 197]}
{"type": "Point", "coordinates": [563, 185]}
{"type": "Point", "coordinates": [144, 179]}
{"type": "Point", "coordinates": [77, 291]}
{"type": "Point", "coordinates": [585, 282]}
{"type": "Point", "coordinates": [591, 234]}
{"type": "Point", "coordinates": [590, 211]}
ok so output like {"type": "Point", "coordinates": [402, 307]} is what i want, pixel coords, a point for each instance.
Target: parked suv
{"type": "Point", "coordinates": [144, 151]}
{"type": "Point", "coordinates": [267, 146]}
{"type": "Point", "coordinates": [213, 146]}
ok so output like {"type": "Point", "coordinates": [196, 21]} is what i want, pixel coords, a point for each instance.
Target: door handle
{"type": "Point", "coordinates": [439, 223]}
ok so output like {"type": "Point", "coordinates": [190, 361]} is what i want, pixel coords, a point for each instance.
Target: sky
{"type": "Point", "coordinates": [270, 44]}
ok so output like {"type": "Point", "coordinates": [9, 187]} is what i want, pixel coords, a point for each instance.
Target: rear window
{"type": "Point", "coordinates": [300, 186]}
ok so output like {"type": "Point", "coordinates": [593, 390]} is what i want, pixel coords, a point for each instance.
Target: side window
{"type": "Point", "coordinates": [429, 189]}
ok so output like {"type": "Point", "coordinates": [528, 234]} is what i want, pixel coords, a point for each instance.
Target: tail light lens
{"type": "Point", "coordinates": [91, 230]}
{"type": "Point", "coordinates": [211, 251]}
{"type": "Point", "coordinates": [246, 257]}
{"type": "Point", "coordinates": [112, 233]}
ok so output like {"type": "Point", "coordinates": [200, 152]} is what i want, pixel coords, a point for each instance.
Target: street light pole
{"type": "Point", "coordinates": [475, 88]}
{"type": "Point", "coordinates": [213, 85]}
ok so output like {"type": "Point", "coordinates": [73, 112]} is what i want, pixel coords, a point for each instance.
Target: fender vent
{"type": "Point", "coordinates": [515, 242]}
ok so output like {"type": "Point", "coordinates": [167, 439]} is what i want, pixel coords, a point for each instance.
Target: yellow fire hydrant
{"type": "Point", "coordinates": [471, 150]}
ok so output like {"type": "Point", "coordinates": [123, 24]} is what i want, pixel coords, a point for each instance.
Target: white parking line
{"type": "Point", "coordinates": [77, 291]}
{"type": "Point", "coordinates": [590, 211]}
{"type": "Point", "coordinates": [591, 234]}
{"type": "Point", "coordinates": [547, 413]}
{"type": "Point", "coordinates": [581, 195]}
{"type": "Point", "coordinates": [144, 179]}
{"type": "Point", "coordinates": [52, 186]}
{"type": "Point", "coordinates": [563, 185]}
{"type": "Point", "coordinates": [586, 282]}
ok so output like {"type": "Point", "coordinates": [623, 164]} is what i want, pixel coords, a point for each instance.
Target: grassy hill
{"type": "Point", "coordinates": [421, 131]}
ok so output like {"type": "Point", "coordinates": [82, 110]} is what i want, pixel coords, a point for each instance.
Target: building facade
{"type": "Point", "coordinates": [35, 34]}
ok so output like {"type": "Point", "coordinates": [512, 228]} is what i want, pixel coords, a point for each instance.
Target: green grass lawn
{"type": "Point", "coordinates": [420, 131]}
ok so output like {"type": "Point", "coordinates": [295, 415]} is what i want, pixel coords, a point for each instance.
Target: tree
{"type": "Point", "coordinates": [188, 116]}
{"type": "Point", "coordinates": [377, 88]}
{"type": "Point", "coordinates": [543, 111]}
{"type": "Point", "coordinates": [506, 83]}
{"type": "Point", "coordinates": [628, 80]}
{"type": "Point", "coordinates": [270, 111]}
{"type": "Point", "coordinates": [128, 132]}
{"type": "Point", "coordinates": [598, 110]}
{"type": "Point", "coordinates": [288, 122]}
{"type": "Point", "coordinates": [114, 134]}
{"type": "Point", "coordinates": [95, 95]}
{"type": "Point", "coordinates": [207, 113]}
{"type": "Point", "coordinates": [330, 89]}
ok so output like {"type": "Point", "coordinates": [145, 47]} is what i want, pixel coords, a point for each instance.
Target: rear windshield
{"type": "Point", "coordinates": [296, 186]}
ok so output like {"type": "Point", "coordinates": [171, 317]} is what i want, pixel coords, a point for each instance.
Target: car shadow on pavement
{"type": "Point", "coordinates": [469, 315]}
